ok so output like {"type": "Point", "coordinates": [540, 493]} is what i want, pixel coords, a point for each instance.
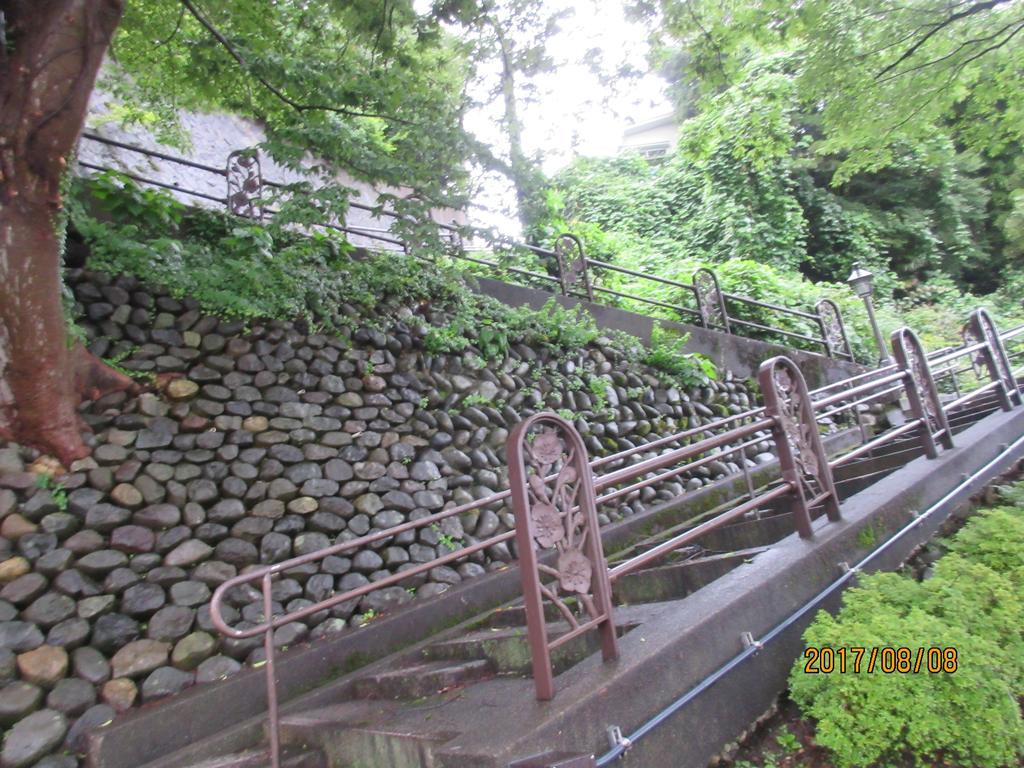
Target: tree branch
{"type": "Point", "coordinates": [277, 92]}
{"type": "Point", "coordinates": [1016, 22]}
{"type": "Point", "coordinates": [938, 27]}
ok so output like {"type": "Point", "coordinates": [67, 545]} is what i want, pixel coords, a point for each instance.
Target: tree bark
{"type": "Point", "coordinates": [50, 54]}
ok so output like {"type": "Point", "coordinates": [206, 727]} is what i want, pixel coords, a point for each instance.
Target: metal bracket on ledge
{"type": "Point", "coordinates": [616, 739]}
{"type": "Point", "coordinates": [747, 638]}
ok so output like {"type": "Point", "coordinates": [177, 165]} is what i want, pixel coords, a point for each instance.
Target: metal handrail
{"type": "Point", "coordinates": [460, 253]}
{"type": "Point", "coordinates": [674, 460]}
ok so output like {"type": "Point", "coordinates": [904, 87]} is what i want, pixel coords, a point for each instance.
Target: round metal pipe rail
{"type": "Point", "coordinates": [155, 183]}
{"type": "Point", "coordinates": [650, 302]}
{"type": "Point", "coordinates": [770, 329]}
{"type": "Point", "coordinates": [768, 305]}
{"type": "Point", "coordinates": [674, 472]}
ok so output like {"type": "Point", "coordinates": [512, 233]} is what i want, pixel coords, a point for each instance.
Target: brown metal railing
{"type": "Point", "coordinates": [806, 483]}
{"type": "Point", "coordinates": [704, 302]}
{"type": "Point", "coordinates": [547, 516]}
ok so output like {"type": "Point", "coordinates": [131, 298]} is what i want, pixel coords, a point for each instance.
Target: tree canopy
{"type": "Point", "coordinates": [368, 85]}
{"type": "Point", "coordinates": [876, 75]}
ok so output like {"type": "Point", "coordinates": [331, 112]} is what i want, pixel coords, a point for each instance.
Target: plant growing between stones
{"type": "Point", "coordinates": [58, 492]}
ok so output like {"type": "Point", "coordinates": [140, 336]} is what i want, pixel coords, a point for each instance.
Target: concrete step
{"type": "Point", "coordinates": [363, 735]}
{"type": "Point", "coordinates": [293, 757]}
{"type": "Point", "coordinates": [422, 680]}
{"type": "Point", "coordinates": [676, 581]}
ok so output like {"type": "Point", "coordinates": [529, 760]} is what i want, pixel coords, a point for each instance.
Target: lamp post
{"type": "Point", "coordinates": [863, 284]}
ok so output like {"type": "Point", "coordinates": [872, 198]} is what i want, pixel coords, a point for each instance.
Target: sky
{"type": "Point", "coordinates": [574, 114]}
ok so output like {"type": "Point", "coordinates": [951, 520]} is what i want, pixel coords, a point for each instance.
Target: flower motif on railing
{"type": "Point", "coordinates": [921, 378]}
{"type": "Point", "coordinates": [978, 358]}
{"type": "Point", "coordinates": [559, 521]}
{"type": "Point", "coordinates": [982, 328]}
{"type": "Point", "coordinates": [245, 184]}
{"type": "Point", "coordinates": [558, 539]}
{"type": "Point", "coordinates": [802, 458]}
{"type": "Point", "coordinates": [832, 324]}
{"type": "Point", "coordinates": [572, 265]}
{"type": "Point", "coordinates": [709, 299]}
{"type": "Point", "coordinates": [796, 428]}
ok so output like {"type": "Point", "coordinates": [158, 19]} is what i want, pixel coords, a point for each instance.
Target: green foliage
{"type": "Point", "coordinates": [58, 492]}
{"type": "Point", "coordinates": [376, 90]}
{"type": "Point", "coordinates": [238, 268]}
{"type": "Point", "coordinates": [971, 603]}
{"type": "Point", "coordinates": [683, 369]}
{"type": "Point", "coordinates": [994, 539]}
{"type": "Point", "coordinates": [444, 540]}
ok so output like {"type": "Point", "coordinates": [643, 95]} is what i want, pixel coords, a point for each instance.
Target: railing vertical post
{"type": "Point", "coordinates": [245, 184]}
{"type": "Point", "coordinates": [994, 357]}
{"type": "Point", "coordinates": [710, 301]}
{"type": "Point", "coordinates": [268, 649]}
{"type": "Point", "coordinates": [572, 266]}
{"type": "Point", "coordinates": [921, 391]}
{"type": "Point", "coordinates": [552, 489]}
{"type": "Point", "coordinates": [833, 331]}
{"type": "Point", "coordinates": [801, 453]}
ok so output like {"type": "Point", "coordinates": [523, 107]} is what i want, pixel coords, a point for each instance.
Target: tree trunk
{"type": "Point", "coordinates": [522, 173]}
{"type": "Point", "coordinates": [50, 53]}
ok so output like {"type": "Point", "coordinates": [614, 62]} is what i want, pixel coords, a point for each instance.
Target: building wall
{"type": "Point", "coordinates": [663, 131]}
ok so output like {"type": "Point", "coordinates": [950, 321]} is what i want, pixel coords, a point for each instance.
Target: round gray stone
{"type": "Point", "coordinates": [32, 738]}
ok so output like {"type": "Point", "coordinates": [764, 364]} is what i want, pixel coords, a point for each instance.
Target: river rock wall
{"type": "Point", "coordinates": [274, 441]}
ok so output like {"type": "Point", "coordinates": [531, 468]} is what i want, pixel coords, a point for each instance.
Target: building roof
{"type": "Point", "coordinates": [657, 122]}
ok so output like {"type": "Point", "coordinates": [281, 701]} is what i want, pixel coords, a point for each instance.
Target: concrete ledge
{"type": "Point", "coordinates": [738, 354]}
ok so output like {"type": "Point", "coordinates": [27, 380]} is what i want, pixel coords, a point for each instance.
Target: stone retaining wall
{"type": "Point", "coordinates": [274, 442]}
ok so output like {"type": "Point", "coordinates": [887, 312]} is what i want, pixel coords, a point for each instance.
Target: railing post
{"type": "Point", "coordinates": [710, 301]}
{"type": "Point", "coordinates": [245, 184]}
{"type": "Point", "coordinates": [552, 489]}
{"type": "Point", "coordinates": [801, 453]}
{"type": "Point", "coordinates": [994, 356]}
{"type": "Point", "coordinates": [833, 330]}
{"type": "Point", "coordinates": [921, 391]}
{"type": "Point", "coordinates": [977, 359]}
{"type": "Point", "coordinates": [572, 265]}
{"type": "Point", "coordinates": [268, 649]}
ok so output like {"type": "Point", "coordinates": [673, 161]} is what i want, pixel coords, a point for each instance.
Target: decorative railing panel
{"type": "Point", "coordinates": [572, 267]}
{"type": "Point", "coordinates": [710, 301]}
{"type": "Point", "coordinates": [801, 453]}
{"type": "Point", "coordinates": [553, 497]}
{"type": "Point", "coordinates": [993, 355]}
{"type": "Point", "coordinates": [832, 329]}
{"type": "Point", "coordinates": [245, 184]}
{"type": "Point", "coordinates": [922, 393]}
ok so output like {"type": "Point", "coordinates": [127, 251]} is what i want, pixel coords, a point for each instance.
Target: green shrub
{"type": "Point", "coordinates": [968, 717]}
{"type": "Point", "coordinates": [994, 538]}
{"type": "Point", "coordinates": [971, 603]}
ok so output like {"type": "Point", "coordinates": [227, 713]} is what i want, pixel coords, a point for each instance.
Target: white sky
{"type": "Point", "coordinates": [574, 114]}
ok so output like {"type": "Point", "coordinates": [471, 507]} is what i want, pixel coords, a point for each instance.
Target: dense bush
{"type": "Point", "coordinates": [971, 603]}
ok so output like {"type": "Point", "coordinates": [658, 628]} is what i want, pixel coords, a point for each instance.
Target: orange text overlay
{"type": "Point", "coordinates": [886, 660]}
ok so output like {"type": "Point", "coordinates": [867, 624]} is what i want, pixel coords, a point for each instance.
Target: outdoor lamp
{"type": "Point", "coordinates": [862, 281]}
{"type": "Point", "coordinates": [863, 284]}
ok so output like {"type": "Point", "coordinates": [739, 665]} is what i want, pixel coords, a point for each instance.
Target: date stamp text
{"type": "Point", "coordinates": [826, 660]}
